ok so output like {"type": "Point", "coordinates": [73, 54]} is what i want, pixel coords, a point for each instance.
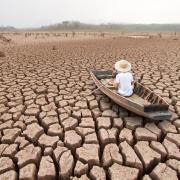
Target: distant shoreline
{"type": "Point", "coordinates": [110, 27]}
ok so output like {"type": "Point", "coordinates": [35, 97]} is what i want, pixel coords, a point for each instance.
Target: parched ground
{"type": "Point", "coordinates": [49, 131]}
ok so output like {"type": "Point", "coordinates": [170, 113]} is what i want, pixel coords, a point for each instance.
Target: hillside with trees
{"type": "Point", "coordinates": [78, 26]}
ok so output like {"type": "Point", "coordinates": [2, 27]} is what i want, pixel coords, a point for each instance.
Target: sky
{"type": "Point", "coordinates": [35, 13]}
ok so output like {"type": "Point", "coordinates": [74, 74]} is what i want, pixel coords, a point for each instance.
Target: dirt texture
{"type": "Point", "coordinates": [52, 126]}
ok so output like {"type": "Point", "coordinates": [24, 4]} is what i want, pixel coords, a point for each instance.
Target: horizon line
{"type": "Point", "coordinates": [90, 23]}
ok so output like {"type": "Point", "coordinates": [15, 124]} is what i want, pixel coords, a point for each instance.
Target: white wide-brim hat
{"type": "Point", "coordinates": [122, 66]}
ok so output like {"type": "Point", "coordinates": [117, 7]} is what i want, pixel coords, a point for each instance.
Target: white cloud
{"type": "Point", "coordinates": [25, 13]}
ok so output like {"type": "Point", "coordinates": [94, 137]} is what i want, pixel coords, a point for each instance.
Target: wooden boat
{"type": "Point", "coordinates": [143, 102]}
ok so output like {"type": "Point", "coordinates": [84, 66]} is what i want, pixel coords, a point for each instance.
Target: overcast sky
{"type": "Point", "coordinates": [33, 13]}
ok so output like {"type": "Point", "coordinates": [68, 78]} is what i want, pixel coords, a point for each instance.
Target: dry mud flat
{"type": "Point", "coordinates": [48, 131]}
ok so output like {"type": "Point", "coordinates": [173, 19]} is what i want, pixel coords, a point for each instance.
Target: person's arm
{"type": "Point", "coordinates": [132, 84]}
{"type": "Point", "coordinates": [116, 82]}
{"type": "Point", "coordinates": [132, 81]}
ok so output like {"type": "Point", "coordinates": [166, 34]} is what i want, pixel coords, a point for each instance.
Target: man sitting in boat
{"type": "Point", "coordinates": [124, 78]}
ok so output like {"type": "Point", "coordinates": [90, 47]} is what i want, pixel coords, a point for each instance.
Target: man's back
{"type": "Point", "coordinates": [124, 80]}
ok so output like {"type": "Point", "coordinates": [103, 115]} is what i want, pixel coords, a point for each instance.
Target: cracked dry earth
{"type": "Point", "coordinates": [49, 131]}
